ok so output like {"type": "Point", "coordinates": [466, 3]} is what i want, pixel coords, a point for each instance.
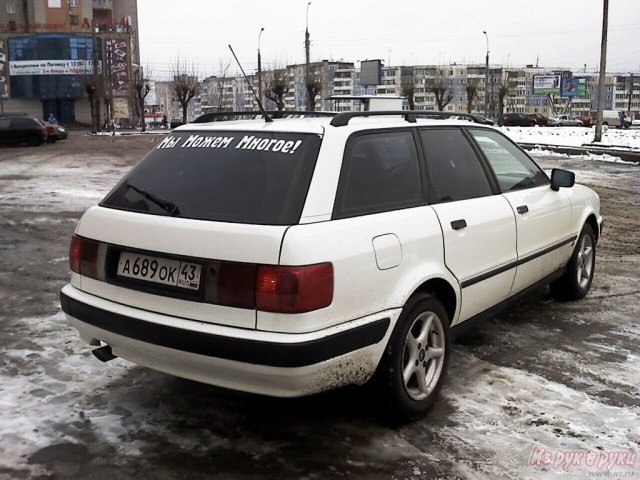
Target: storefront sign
{"type": "Point", "coordinates": [52, 67]}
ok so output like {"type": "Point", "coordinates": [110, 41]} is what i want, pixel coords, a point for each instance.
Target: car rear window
{"type": "Point", "coordinates": [239, 177]}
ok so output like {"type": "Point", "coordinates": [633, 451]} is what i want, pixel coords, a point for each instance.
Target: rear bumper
{"type": "Point", "coordinates": [248, 360]}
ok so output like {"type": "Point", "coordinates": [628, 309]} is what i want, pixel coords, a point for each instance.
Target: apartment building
{"type": "Point", "coordinates": [343, 79]}
{"type": "Point", "coordinates": [47, 51]}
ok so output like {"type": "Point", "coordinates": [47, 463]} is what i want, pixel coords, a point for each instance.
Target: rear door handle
{"type": "Point", "coordinates": [522, 209]}
{"type": "Point", "coordinates": [458, 224]}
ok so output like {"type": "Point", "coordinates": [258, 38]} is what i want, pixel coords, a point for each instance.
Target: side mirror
{"type": "Point", "coordinates": [562, 178]}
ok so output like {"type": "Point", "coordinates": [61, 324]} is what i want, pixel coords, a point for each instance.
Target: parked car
{"type": "Point", "coordinates": [16, 129]}
{"type": "Point", "coordinates": [517, 120]}
{"type": "Point", "coordinates": [175, 123]}
{"type": "Point", "coordinates": [540, 119]}
{"type": "Point", "coordinates": [289, 257]}
{"type": "Point", "coordinates": [482, 119]}
{"type": "Point", "coordinates": [56, 132]}
{"type": "Point", "coordinates": [585, 119]}
{"type": "Point", "coordinates": [564, 121]}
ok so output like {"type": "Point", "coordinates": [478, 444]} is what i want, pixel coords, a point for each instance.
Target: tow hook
{"type": "Point", "coordinates": [104, 354]}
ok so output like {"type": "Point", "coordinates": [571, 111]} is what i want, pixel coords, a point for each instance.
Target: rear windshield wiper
{"type": "Point", "coordinates": [166, 205]}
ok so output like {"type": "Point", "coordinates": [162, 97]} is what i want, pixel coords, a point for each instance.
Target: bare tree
{"type": "Point", "coordinates": [471, 89]}
{"type": "Point", "coordinates": [278, 88]}
{"type": "Point", "coordinates": [141, 88]}
{"type": "Point", "coordinates": [407, 86]}
{"type": "Point", "coordinates": [92, 94]}
{"type": "Point", "coordinates": [184, 86]}
{"type": "Point", "coordinates": [313, 84]}
{"type": "Point", "coordinates": [503, 90]}
{"type": "Point", "coordinates": [440, 88]}
{"type": "Point", "coordinates": [221, 80]}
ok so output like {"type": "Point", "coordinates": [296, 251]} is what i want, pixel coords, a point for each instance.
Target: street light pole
{"type": "Point", "coordinates": [260, 68]}
{"type": "Point", "coordinates": [603, 68]}
{"type": "Point", "coordinates": [486, 79]}
{"type": "Point", "coordinates": [307, 46]}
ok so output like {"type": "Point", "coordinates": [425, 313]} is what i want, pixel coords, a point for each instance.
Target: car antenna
{"type": "Point", "coordinates": [267, 118]}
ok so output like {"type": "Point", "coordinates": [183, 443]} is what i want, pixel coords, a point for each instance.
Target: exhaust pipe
{"type": "Point", "coordinates": [104, 354]}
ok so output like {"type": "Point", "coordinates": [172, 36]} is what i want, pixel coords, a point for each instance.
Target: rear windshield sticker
{"type": "Point", "coordinates": [247, 142]}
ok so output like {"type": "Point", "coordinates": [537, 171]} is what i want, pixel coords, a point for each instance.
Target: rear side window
{"type": "Point", "coordinates": [23, 122]}
{"type": "Point", "coordinates": [454, 169]}
{"type": "Point", "coordinates": [380, 172]}
{"type": "Point", "coordinates": [239, 177]}
{"type": "Point", "coordinates": [513, 169]}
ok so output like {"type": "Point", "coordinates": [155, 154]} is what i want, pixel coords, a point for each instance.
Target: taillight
{"type": "Point", "coordinates": [294, 289]}
{"type": "Point", "coordinates": [83, 256]}
{"type": "Point", "coordinates": [237, 284]}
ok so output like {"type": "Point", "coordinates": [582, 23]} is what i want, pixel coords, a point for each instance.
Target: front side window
{"type": "Point", "coordinates": [454, 169]}
{"type": "Point", "coordinates": [513, 169]}
{"type": "Point", "coordinates": [237, 177]}
{"type": "Point", "coordinates": [380, 172]}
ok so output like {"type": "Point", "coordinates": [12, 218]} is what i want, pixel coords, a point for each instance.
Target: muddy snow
{"type": "Point", "coordinates": [543, 390]}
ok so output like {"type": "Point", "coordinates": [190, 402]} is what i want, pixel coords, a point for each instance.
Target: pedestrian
{"type": "Point", "coordinates": [164, 121]}
{"type": "Point", "coordinates": [52, 120]}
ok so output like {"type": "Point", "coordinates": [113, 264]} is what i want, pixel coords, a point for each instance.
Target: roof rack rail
{"type": "Point", "coordinates": [342, 119]}
{"type": "Point", "coordinates": [221, 116]}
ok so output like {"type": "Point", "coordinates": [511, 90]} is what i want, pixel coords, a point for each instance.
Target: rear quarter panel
{"type": "Point", "coordinates": [361, 286]}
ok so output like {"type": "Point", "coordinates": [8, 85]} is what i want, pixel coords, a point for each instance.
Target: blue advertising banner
{"type": "Point", "coordinates": [573, 87]}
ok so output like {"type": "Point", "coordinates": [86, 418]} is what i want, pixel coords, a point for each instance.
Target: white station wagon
{"type": "Point", "coordinates": [293, 256]}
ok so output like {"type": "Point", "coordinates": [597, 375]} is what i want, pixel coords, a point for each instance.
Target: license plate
{"type": "Point", "coordinates": [159, 270]}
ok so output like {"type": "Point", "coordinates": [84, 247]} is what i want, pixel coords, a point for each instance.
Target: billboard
{"type": "Point", "coordinates": [573, 87]}
{"type": "Point", "coordinates": [4, 72]}
{"type": "Point", "coordinates": [370, 72]}
{"type": "Point", "coordinates": [544, 84]}
{"type": "Point", "coordinates": [116, 59]}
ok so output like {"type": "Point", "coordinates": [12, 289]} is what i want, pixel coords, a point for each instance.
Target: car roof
{"type": "Point", "coordinates": [319, 125]}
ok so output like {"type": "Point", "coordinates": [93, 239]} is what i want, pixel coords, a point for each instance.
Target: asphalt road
{"type": "Point", "coordinates": [543, 390]}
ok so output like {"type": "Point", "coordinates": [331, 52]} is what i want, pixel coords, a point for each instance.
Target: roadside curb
{"type": "Point", "coordinates": [626, 155]}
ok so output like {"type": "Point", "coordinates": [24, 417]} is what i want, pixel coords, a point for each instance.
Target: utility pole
{"type": "Point", "coordinates": [96, 78]}
{"type": "Point", "coordinates": [486, 79]}
{"type": "Point", "coordinates": [260, 68]}
{"type": "Point", "coordinates": [307, 74]}
{"type": "Point", "coordinates": [630, 94]}
{"type": "Point", "coordinates": [603, 67]}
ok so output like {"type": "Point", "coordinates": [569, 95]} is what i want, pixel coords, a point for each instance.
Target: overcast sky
{"type": "Point", "coordinates": [401, 32]}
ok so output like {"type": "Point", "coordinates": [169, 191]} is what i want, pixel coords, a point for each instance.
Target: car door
{"type": "Point", "coordinates": [478, 227]}
{"type": "Point", "coordinates": [6, 134]}
{"type": "Point", "coordinates": [543, 215]}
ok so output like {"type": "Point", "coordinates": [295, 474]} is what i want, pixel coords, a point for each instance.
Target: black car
{"type": "Point", "coordinates": [15, 129]}
{"type": "Point", "coordinates": [175, 123]}
{"type": "Point", "coordinates": [517, 120]}
{"type": "Point", "coordinates": [540, 119]}
{"type": "Point", "coordinates": [481, 119]}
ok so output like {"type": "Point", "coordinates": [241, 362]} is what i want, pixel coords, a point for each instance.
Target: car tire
{"type": "Point", "coordinates": [414, 364]}
{"type": "Point", "coordinates": [574, 284]}
{"type": "Point", "coordinates": [559, 125]}
{"type": "Point", "coordinates": [33, 140]}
